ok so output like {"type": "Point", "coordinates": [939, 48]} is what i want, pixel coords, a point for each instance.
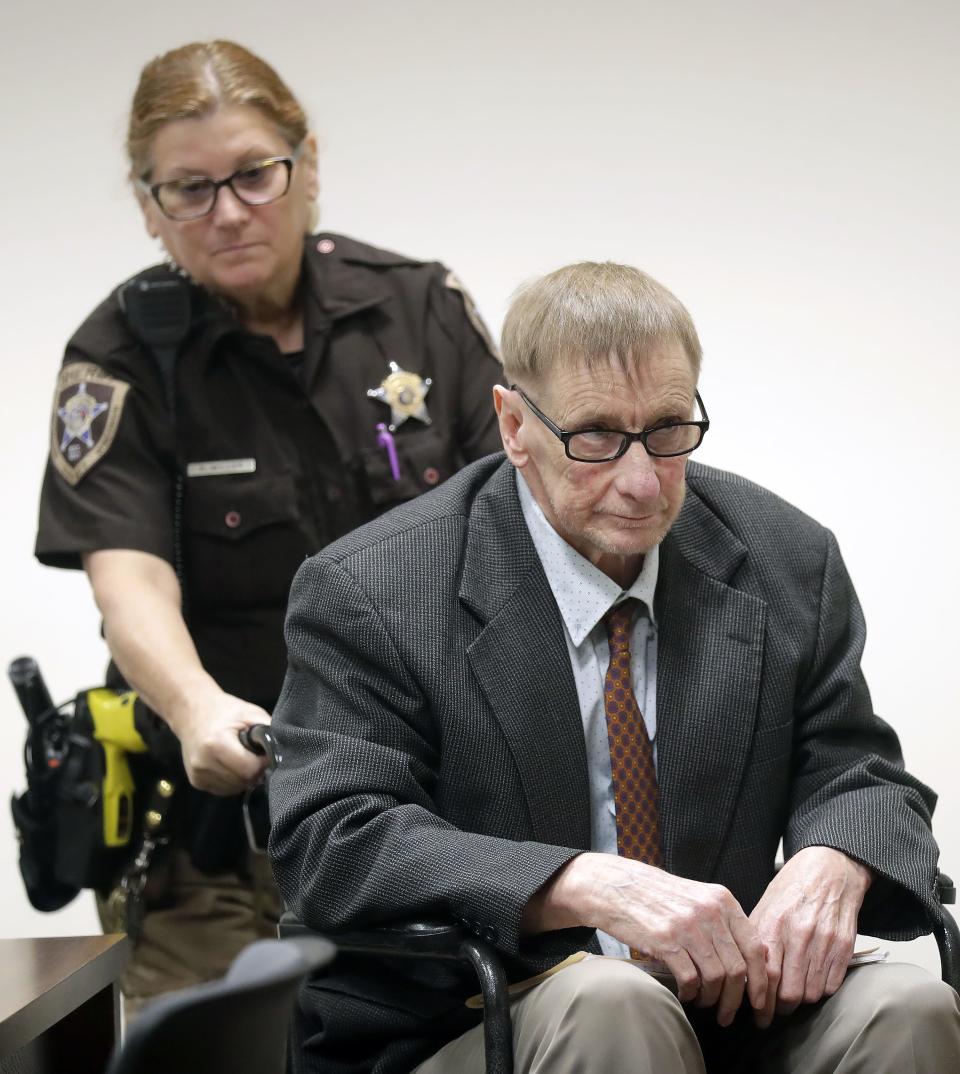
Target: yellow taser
{"type": "Point", "coordinates": [114, 729]}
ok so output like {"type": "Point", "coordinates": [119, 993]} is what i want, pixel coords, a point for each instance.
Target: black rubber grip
{"type": "Point", "coordinates": [31, 690]}
{"type": "Point", "coordinates": [257, 739]}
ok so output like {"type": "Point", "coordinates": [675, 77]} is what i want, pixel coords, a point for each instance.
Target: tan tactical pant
{"type": "Point", "coordinates": [203, 925]}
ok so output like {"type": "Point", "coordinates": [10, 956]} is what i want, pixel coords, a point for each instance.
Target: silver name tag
{"type": "Point", "coordinates": [220, 467]}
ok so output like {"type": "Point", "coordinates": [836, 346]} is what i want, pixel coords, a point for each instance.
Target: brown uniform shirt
{"type": "Point", "coordinates": [281, 455]}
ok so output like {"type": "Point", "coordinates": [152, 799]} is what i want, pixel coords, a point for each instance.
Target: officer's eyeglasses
{"type": "Point", "coordinates": [257, 183]}
{"type": "Point", "coordinates": [663, 441]}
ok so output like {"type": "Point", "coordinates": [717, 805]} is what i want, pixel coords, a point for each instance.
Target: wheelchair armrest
{"type": "Point", "coordinates": [433, 938]}
{"type": "Point", "coordinates": [947, 933]}
{"type": "Point", "coordinates": [441, 940]}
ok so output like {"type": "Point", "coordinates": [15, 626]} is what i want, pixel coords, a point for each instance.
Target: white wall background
{"type": "Point", "coordinates": [791, 171]}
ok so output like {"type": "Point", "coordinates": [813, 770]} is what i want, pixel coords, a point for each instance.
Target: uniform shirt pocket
{"type": "Point", "coordinates": [426, 456]}
{"type": "Point", "coordinates": [243, 541]}
{"type": "Point", "coordinates": [231, 507]}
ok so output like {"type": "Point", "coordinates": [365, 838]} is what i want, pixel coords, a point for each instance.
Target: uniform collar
{"type": "Point", "coordinates": [336, 286]}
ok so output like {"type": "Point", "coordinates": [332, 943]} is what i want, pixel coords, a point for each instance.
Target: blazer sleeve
{"type": "Point", "coordinates": [355, 835]}
{"type": "Point", "coordinates": [850, 790]}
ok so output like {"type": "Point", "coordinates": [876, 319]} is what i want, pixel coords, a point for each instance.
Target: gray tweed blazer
{"type": "Point", "coordinates": [434, 759]}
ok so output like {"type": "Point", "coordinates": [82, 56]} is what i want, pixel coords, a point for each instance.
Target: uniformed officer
{"type": "Point", "coordinates": [318, 382]}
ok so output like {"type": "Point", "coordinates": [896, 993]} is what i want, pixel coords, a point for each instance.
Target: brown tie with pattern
{"type": "Point", "coordinates": [635, 792]}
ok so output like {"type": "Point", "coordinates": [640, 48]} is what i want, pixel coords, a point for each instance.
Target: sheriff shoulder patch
{"type": "Point", "coordinates": [87, 406]}
{"type": "Point", "coordinates": [453, 282]}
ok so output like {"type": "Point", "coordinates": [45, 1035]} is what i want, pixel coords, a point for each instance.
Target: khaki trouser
{"type": "Point", "coordinates": [203, 925]}
{"type": "Point", "coordinates": [608, 1017]}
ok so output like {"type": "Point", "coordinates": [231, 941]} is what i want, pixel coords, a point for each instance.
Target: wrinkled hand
{"type": "Point", "coordinates": [807, 919]}
{"type": "Point", "coordinates": [698, 930]}
{"type": "Point", "coordinates": [208, 727]}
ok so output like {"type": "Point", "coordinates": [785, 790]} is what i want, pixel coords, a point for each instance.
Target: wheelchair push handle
{"type": "Point", "coordinates": [258, 739]}
{"type": "Point", "coordinates": [256, 819]}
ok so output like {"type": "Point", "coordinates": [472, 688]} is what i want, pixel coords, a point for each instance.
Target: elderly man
{"type": "Point", "coordinates": [575, 698]}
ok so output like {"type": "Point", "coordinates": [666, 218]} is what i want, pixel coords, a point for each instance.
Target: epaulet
{"type": "Point", "coordinates": [109, 310]}
{"type": "Point", "coordinates": [160, 271]}
{"type": "Point", "coordinates": [332, 245]}
{"type": "Point", "coordinates": [107, 333]}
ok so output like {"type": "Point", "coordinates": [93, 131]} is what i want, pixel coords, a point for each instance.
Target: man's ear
{"type": "Point", "coordinates": [510, 416]}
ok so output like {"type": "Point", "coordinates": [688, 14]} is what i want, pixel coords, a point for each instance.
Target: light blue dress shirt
{"type": "Point", "coordinates": [584, 595]}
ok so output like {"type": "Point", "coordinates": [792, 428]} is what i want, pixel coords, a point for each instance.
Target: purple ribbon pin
{"type": "Point", "coordinates": [385, 440]}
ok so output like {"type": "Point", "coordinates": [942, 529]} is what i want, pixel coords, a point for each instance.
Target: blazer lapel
{"type": "Point", "coordinates": [709, 662]}
{"type": "Point", "coordinates": [521, 662]}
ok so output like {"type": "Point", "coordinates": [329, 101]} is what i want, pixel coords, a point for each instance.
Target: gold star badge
{"type": "Point", "coordinates": [405, 393]}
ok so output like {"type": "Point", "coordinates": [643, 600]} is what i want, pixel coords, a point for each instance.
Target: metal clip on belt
{"type": "Point", "coordinates": [125, 904]}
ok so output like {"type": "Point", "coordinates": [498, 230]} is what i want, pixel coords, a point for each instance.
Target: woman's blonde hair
{"type": "Point", "coordinates": [194, 81]}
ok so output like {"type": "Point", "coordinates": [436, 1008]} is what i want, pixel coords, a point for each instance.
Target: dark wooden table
{"type": "Point", "coordinates": [60, 1003]}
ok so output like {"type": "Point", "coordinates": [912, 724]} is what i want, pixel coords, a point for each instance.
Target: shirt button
{"type": "Point", "coordinates": [232, 519]}
{"type": "Point", "coordinates": [431, 475]}
{"type": "Point", "coordinates": [326, 246]}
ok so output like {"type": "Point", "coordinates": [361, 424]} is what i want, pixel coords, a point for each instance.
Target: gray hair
{"type": "Point", "coordinates": [585, 312]}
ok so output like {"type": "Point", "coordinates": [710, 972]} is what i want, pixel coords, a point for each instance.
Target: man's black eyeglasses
{"type": "Point", "coordinates": [257, 183]}
{"type": "Point", "coordinates": [663, 441]}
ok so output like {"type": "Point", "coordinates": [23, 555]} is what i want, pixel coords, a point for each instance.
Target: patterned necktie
{"type": "Point", "coordinates": [635, 792]}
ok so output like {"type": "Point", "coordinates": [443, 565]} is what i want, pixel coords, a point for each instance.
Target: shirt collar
{"type": "Point", "coordinates": [339, 286]}
{"type": "Point", "coordinates": [333, 288]}
{"type": "Point", "coordinates": [584, 594]}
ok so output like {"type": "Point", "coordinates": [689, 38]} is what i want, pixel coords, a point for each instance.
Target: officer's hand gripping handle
{"type": "Point", "coordinates": [258, 739]}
